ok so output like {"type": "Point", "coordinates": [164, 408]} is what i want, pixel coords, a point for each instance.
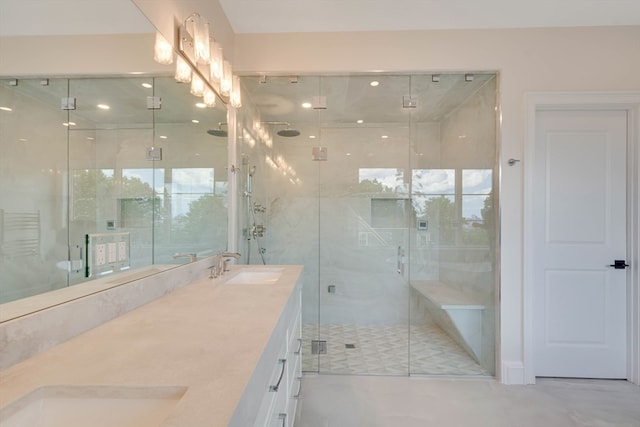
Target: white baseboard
{"type": "Point", "coordinates": [512, 373]}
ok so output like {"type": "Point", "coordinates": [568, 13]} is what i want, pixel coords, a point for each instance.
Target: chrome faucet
{"type": "Point", "coordinates": [223, 258]}
{"type": "Point", "coordinates": [192, 257]}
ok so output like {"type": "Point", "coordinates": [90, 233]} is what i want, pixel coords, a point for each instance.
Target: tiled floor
{"type": "Point", "coordinates": [384, 349]}
{"type": "Point", "coordinates": [388, 401]}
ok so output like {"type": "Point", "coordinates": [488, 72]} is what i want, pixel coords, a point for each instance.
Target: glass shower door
{"type": "Point", "coordinates": [364, 208]}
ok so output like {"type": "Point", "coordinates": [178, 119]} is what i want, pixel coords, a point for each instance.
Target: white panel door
{"type": "Point", "coordinates": [579, 213]}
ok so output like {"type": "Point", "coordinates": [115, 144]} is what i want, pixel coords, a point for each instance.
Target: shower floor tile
{"type": "Point", "coordinates": [383, 349]}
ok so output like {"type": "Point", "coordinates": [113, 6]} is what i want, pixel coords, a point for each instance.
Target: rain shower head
{"type": "Point", "coordinates": [288, 132]}
{"type": "Point", "coordinates": [219, 132]}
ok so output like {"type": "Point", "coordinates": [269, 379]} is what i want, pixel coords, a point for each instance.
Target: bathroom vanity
{"type": "Point", "coordinates": [217, 352]}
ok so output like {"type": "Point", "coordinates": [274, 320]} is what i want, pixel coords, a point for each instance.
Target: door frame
{"type": "Point", "coordinates": [560, 101]}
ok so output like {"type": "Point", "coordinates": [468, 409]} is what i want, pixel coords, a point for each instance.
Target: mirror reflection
{"type": "Point", "coordinates": [102, 176]}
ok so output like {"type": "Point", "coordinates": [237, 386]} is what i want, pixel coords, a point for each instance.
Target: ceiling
{"type": "Point", "coordinates": [284, 16]}
{"type": "Point", "coordinates": [51, 17]}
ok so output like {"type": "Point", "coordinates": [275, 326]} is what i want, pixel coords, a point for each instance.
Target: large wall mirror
{"type": "Point", "coordinates": [105, 177]}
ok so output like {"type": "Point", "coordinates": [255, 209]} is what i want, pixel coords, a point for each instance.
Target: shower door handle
{"type": "Point", "coordinates": [400, 261]}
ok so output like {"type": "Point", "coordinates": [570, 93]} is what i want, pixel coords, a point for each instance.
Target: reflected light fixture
{"type": "Point", "coordinates": [235, 98]}
{"type": "Point", "coordinates": [183, 71]}
{"type": "Point", "coordinates": [162, 50]}
{"type": "Point", "coordinates": [197, 86]}
{"type": "Point", "coordinates": [227, 80]}
{"type": "Point", "coordinates": [209, 98]}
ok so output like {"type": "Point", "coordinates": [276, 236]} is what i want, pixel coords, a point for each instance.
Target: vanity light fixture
{"type": "Point", "coordinates": [200, 61]}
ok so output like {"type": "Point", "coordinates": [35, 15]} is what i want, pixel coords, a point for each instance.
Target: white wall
{"type": "Point", "coordinates": [528, 60]}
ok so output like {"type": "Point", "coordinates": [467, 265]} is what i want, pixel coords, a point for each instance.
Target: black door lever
{"type": "Point", "coordinates": [619, 264]}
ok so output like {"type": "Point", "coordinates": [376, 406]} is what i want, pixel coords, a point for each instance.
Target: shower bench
{"type": "Point", "coordinates": [459, 314]}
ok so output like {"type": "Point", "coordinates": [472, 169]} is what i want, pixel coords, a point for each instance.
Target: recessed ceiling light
{"type": "Point", "coordinates": [360, 121]}
{"type": "Point", "coordinates": [312, 137]}
{"type": "Point", "coordinates": [306, 105]}
{"type": "Point", "coordinates": [385, 136]}
{"type": "Point", "coordinates": [6, 108]}
{"type": "Point", "coordinates": [163, 136]}
{"type": "Point", "coordinates": [201, 105]}
{"type": "Point", "coordinates": [90, 138]}
{"type": "Point", "coordinates": [147, 85]}
{"type": "Point", "coordinates": [374, 83]}
{"type": "Point", "coordinates": [22, 140]}
{"type": "Point", "coordinates": [103, 106]}
{"type": "Point", "coordinates": [195, 121]}
{"type": "Point", "coordinates": [348, 154]}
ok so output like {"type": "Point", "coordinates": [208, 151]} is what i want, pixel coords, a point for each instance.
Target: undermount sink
{"type": "Point", "coordinates": [256, 276]}
{"type": "Point", "coordinates": [95, 406]}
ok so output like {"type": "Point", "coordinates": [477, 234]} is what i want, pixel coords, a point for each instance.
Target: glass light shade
{"type": "Point", "coordinates": [162, 50]}
{"type": "Point", "coordinates": [201, 42]}
{"type": "Point", "coordinates": [209, 98]}
{"type": "Point", "coordinates": [215, 69]}
{"type": "Point", "coordinates": [183, 70]}
{"type": "Point", "coordinates": [197, 86]}
{"type": "Point", "coordinates": [235, 97]}
{"type": "Point", "coordinates": [227, 79]}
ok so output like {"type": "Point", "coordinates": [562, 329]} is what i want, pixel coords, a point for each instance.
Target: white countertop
{"type": "Point", "coordinates": [207, 336]}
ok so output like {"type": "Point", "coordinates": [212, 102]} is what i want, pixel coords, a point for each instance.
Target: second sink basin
{"type": "Point", "coordinates": [256, 276]}
{"type": "Point", "coordinates": [95, 406]}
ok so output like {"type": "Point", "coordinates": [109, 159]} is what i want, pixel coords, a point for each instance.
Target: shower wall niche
{"type": "Point", "coordinates": [395, 223]}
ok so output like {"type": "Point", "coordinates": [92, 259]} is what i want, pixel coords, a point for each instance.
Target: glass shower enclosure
{"type": "Point", "coordinates": [389, 198]}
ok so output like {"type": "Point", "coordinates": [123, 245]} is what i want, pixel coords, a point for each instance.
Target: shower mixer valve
{"type": "Point", "coordinates": [258, 230]}
{"type": "Point", "coordinates": [258, 208]}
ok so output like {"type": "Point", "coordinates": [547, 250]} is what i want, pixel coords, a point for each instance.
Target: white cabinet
{"type": "Point", "coordinates": [271, 396]}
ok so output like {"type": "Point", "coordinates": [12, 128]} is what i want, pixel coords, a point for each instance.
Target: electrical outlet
{"type": "Point", "coordinates": [122, 251]}
{"type": "Point", "coordinates": [113, 252]}
{"type": "Point", "coordinates": [101, 254]}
